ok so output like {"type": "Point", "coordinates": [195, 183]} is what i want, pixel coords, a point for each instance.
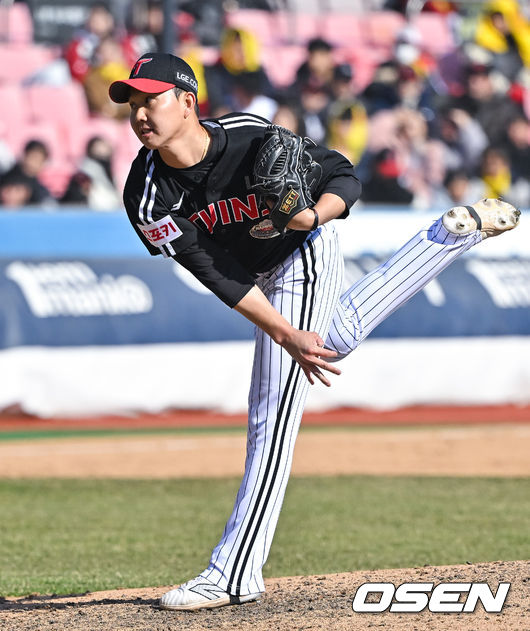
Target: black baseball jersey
{"type": "Point", "coordinates": [208, 218]}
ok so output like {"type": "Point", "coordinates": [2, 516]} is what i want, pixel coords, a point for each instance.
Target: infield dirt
{"type": "Point", "coordinates": [292, 603]}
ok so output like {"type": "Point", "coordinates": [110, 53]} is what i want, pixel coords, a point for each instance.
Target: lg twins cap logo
{"type": "Point", "coordinates": [160, 232]}
{"type": "Point", "coordinates": [139, 64]}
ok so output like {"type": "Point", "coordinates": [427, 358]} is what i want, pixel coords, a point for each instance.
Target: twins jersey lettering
{"type": "Point", "coordinates": [221, 225]}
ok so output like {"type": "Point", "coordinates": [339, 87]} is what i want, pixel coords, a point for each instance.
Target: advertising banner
{"type": "Point", "coordinates": [83, 302]}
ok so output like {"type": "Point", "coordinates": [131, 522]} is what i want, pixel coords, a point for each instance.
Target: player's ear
{"type": "Point", "coordinates": [189, 104]}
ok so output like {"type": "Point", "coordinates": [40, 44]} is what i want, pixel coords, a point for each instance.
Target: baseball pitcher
{"type": "Point", "coordinates": [247, 207]}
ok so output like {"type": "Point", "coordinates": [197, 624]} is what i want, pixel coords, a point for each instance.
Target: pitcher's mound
{"type": "Point", "coordinates": [290, 604]}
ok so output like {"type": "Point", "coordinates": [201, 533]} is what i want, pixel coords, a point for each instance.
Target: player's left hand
{"type": "Point", "coordinates": [307, 349]}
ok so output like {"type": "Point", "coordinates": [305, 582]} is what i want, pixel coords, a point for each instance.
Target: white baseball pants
{"type": "Point", "coordinates": [306, 290]}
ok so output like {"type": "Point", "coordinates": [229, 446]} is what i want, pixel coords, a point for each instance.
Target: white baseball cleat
{"type": "Point", "coordinates": [200, 593]}
{"type": "Point", "coordinates": [490, 216]}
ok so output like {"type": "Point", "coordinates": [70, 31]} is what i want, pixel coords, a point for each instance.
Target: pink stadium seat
{"type": "Point", "coordinates": [17, 23]}
{"type": "Point", "coordinates": [342, 29]}
{"type": "Point", "coordinates": [56, 175]}
{"type": "Point", "coordinates": [107, 128]}
{"type": "Point", "coordinates": [436, 35]}
{"type": "Point", "coordinates": [65, 104]}
{"type": "Point", "coordinates": [295, 28]}
{"type": "Point", "coordinates": [381, 28]}
{"type": "Point", "coordinates": [50, 135]}
{"type": "Point", "coordinates": [282, 62]}
{"type": "Point", "coordinates": [14, 111]}
{"type": "Point", "coordinates": [254, 20]}
{"type": "Point", "coordinates": [21, 60]}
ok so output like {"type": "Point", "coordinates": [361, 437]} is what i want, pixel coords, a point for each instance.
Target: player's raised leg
{"type": "Point", "coordinates": [305, 290]}
{"type": "Point", "coordinates": [386, 288]}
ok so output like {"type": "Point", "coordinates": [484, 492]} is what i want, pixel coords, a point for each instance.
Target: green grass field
{"type": "Point", "coordinates": [70, 536]}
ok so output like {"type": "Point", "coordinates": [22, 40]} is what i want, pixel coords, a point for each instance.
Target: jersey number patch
{"type": "Point", "coordinates": [160, 232]}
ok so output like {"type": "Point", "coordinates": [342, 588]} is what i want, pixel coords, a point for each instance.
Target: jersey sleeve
{"type": "Point", "coordinates": [145, 206]}
{"type": "Point", "coordinates": [166, 233]}
{"type": "Point", "coordinates": [215, 268]}
{"type": "Point", "coordinates": [338, 177]}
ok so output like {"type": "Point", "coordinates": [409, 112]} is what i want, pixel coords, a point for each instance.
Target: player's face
{"type": "Point", "coordinates": [155, 118]}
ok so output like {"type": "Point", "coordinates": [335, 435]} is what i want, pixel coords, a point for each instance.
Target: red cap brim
{"type": "Point", "coordinates": [119, 90]}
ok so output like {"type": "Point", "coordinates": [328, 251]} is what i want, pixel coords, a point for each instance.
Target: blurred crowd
{"type": "Point", "coordinates": [424, 132]}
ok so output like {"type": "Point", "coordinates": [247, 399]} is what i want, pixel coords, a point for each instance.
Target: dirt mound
{"type": "Point", "coordinates": [290, 604]}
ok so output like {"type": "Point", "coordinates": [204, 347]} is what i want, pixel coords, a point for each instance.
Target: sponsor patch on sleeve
{"type": "Point", "coordinates": [160, 232]}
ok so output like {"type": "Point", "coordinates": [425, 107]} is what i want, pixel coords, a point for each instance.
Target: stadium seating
{"type": "Point", "coordinates": [14, 111]}
{"type": "Point", "coordinates": [343, 29]}
{"type": "Point", "coordinates": [435, 31]}
{"type": "Point", "coordinates": [254, 20]}
{"type": "Point", "coordinates": [64, 104]}
{"type": "Point", "coordinates": [59, 115]}
{"type": "Point", "coordinates": [281, 63]}
{"type": "Point", "coordinates": [21, 60]}
{"type": "Point", "coordinates": [78, 136]}
{"type": "Point", "coordinates": [56, 175]}
{"type": "Point", "coordinates": [50, 135]}
{"type": "Point", "coordinates": [295, 28]}
{"type": "Point", "coordinates": [380, 28]}
{"type": "Point", "coordinates": [16, 23]}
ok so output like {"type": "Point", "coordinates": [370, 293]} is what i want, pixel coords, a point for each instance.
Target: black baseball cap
{"type": "Point", "coordinates": [153, 73]}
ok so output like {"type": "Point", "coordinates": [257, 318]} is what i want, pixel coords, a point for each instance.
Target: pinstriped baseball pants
{"type": "Point", "coordinates": [306, 290]}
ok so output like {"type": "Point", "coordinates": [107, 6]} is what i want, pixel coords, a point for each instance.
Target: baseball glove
{"type": "Point", "coordinates": [285, 175]}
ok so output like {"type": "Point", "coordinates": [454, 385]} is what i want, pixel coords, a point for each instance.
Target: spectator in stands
{"type": "Point", "coordinates": [80, 52]}
{"type": "Point", "coordinates": [316, 72]}
{"type": "Point", "coordinates": [109, 65]}
{"type": "Point", "coordinates": [421, 157]}
{"type": "Point", "coordinates": [516, 145]}
{"type": "Point", "coordinates": [249, 98]}
{"type": "Point", "coordinates": [28, 169]}
{"type": "Point", "coordinates": [495, 179]}
{"type": "Point", "coordinates": [488, 104]}
{"type": "Point", "coordinates": [505, 32]}
{"type": "Point", "coordinates": [459, 189]}
{"type": "Point", "coordinates": [313, 87]}
{"type": "Point", "coordinates": [347, 123]}
{"type": "Point", "coordinates": [347, 129]}
{"type": "Point", "coordinates": [239, 55]}
{"type": "Point", "coordinates": [381, 92]}
{"type": "Point", "coordinates": [418, 159]}
{"type": "Point", "coordinates": [15, 190]}
{"type": "Point", "coordinates": [463, 138]}
{"type": "Point", "coordinates": [145, 25]}
{"type": "Point", "coordinates": [289, 115]}
{"type": "Point", "coordinates": [315, 100]}
{"type": "Point", "coordinates": [93, 183]}
{"type": "Point", "coordinates": [77, 191]}
{"type": "Point", "coordinates": [383, 185]}
{"type": "Point", "coordinates": [394, 85]}
{"type": "Point", "coordinates": [409, 50]}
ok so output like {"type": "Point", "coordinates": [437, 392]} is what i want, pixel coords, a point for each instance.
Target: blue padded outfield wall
{"type": "Point", "coordinates": [79, 279]}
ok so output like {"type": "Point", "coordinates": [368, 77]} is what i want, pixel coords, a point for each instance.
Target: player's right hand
{"type": "Point", "coordinates": [307, 349]}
